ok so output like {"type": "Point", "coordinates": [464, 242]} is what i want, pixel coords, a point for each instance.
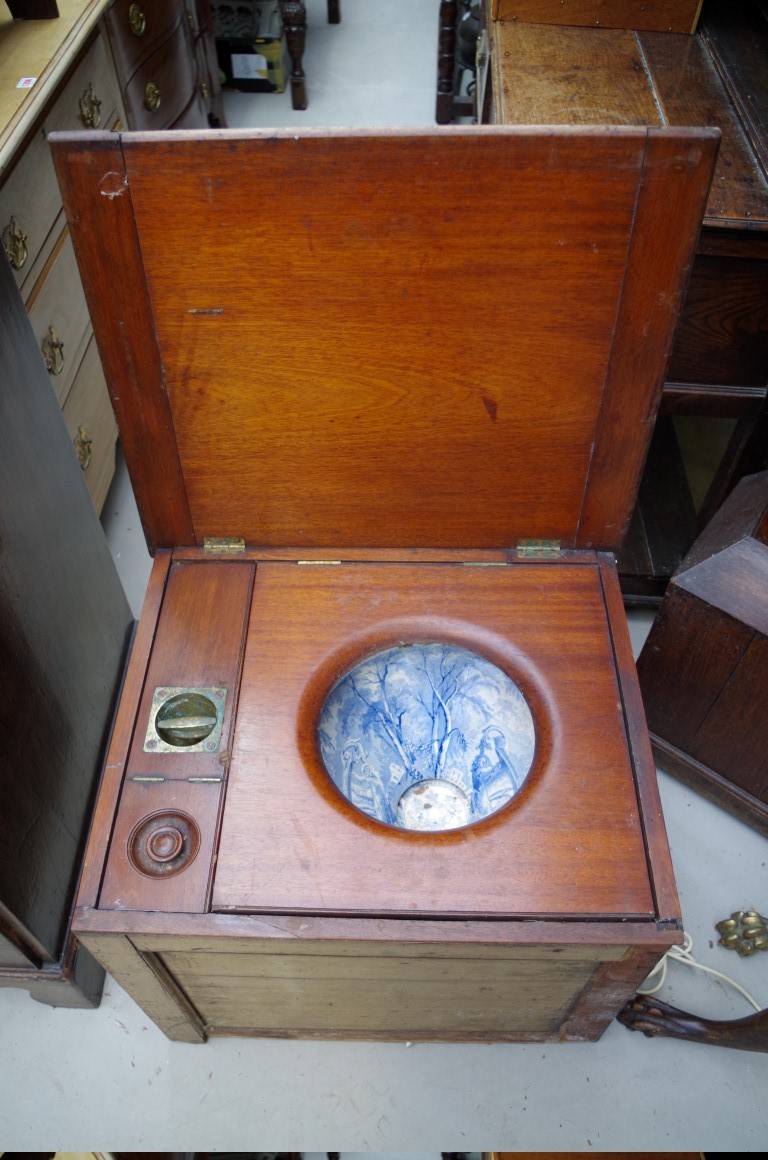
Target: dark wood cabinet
{"type": "Point", "coordinates": [165, 60]}
{"type": "Point", "coordinates": [703, 665]}
{"type": "Point", "coordinates": [64, 628]}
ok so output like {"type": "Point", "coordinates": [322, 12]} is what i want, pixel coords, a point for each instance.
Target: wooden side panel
{"type": "Point", "coordinates": [148, 984]}
{"type": "Point", "coordinates": [97, 199]}
{"type": "Point", "coordinates": [408, 996]}
{"type": "Point", "coordinates": [659, 860]}
{"type": "Point", "coordinates": [733, 740]}
{"type": "Point", "coordinates": [122, 732]}
{"type": "Point", "coordinates": [689, 655]}
{"type": "Point", "coordinates": [676, 177]}
{"type": "Point", "coordinates": [666, 15]}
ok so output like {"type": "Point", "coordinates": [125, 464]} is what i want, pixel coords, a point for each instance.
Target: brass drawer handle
{"type": "Point", "coordinates": [205, 92]}
{"type": "Point", "coordinates": [15, 244]}
{"type": "Point", "coordinates": [137, 20]}
{"type": "Point", "coordinates": [83, 444]}
{"type": "Point", "coordinates": [90, 109]}
{"type": "Point", "coordinates": [53, 352]}
{"type": "Point", "coordinates": [152, 97]}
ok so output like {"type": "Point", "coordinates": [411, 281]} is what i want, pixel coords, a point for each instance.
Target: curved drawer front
{"type": "Point", "coordinates": [137, 29]}
{"type": "Point", "coordinates": [163, 86]}
{"type": "Point", "coordinates": [30, 201]}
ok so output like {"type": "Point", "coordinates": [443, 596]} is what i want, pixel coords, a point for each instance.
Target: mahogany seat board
{"type": "Point", "coordinates": [382, 468]}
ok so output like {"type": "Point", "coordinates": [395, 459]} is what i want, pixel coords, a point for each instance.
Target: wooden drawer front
{"type": "Point", "coordinates": [30, 196]}
{"type": "Point", "coordinates": [344, 991]}
{"type": "Point", "coordinates": [58, 302]}
{"type": "Point", "coordinates": [91, 424]}
{"type": "Point", "coordinates": [136, 30]}
{"type": "Point", "coordinates": [195, 116]}
{"type": "Point", "coordinates": [172, 74]}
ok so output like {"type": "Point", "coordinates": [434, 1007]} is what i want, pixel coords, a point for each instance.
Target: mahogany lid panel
{"type": "Point", "coordinates": [570, 844]}
{"type": "Point", "coordinates": [385, 339]}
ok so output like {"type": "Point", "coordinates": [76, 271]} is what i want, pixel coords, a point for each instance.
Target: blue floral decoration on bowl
{"type": "Point", "coordinates": [427, 737]}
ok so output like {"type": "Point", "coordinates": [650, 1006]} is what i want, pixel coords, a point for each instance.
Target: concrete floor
{"type": "Point", "coordinates": [108, 1079]}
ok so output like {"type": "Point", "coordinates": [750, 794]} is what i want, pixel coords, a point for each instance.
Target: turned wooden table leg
{"type": "Point", "coordinates": [294, 15]}
{"type": "Point", "coordinates": [334, 11]}
{"type": "Point", "coordinates": [446, 61]}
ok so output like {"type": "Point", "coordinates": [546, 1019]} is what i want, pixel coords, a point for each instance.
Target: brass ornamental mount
{"type": "Point", "coordinates": [53, 352]}
{"type": "Point", "coordinates": [137, 20]}
{"type": "Point", "coordinates": [83, 446]}
{"type": "Point", "coordinates": [745, 931]}
{"type": "Point", "coordinates": [151, 97]}
{"type": "Point", "coordinates": [90, 109]}
{"type": "Point", "coordinates": [15, 245]}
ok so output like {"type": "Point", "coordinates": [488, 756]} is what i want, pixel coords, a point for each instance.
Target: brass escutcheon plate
{"type": "Point", "coordinates": [185, 719]}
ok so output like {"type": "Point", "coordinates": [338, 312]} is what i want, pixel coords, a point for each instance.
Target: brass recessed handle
{"type": "Point", "coordinates": [137, 20]}
{"type": "Point", "coordinates": [90, 109]}
{"type": "Point", "coordinates": [83, 445]}
{"type": "Point", "coordinates": [53, 352]}
{"type": "Point", "coordinates": [152, 97]}
{"type": "Point", "coordinates": [15, 244]}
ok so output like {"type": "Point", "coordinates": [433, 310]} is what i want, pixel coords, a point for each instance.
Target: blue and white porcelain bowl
{"type": "Point", "coordinates": [427, 737]}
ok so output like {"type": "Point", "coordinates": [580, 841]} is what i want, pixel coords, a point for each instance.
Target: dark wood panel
{"type": "Point", "coordinates": [733, 739]}
{"type": "Point", "coordinates": [722, 336]}
{"type": "Point", "coordinates": [64, 625]}
{"type": "Point", "coordinates": [702, 663]}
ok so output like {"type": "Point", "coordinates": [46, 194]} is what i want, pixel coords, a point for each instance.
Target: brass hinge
{"type": "Point", "coordinates": [223, 545]}
{"type": "Point", "coordinates": [538, 549]}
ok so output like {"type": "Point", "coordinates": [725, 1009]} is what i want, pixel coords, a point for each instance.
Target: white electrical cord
{"type": "Point", "coordinates": [683, 955]}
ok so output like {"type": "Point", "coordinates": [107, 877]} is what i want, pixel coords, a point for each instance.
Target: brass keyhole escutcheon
{"type": "Point", "coordinates": [83, 444]}
{"type": "Point", "coordinates": [53, 352]}
{"type": "Point", "coordinates": [90, 109]}
{"type": "Point", "coordinates": [137, 20]}
{"type": "Point", "coordinates": [152, 97]}
{"type": "Point", "coordinates": [15, 245]}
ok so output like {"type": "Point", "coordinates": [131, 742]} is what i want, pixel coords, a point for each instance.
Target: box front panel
{"type": "Point", "coordinates": [356, 991]}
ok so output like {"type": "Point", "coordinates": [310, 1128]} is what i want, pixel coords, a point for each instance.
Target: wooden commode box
{"type": "Point", "coordinates": [380, 768]}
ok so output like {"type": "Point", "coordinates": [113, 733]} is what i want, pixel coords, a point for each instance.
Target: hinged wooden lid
{"type": "Point", "coordinates": [402, 338]}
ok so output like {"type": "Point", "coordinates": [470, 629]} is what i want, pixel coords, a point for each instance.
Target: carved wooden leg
{"type": "Point", "coordinates": [446, 61]}
{"type": "Point", "coordinates": [334, 11]}
{"type": "Point", "coordinates": [652, 1017]}
{"type": "Point", "coordinates": [294, 15]}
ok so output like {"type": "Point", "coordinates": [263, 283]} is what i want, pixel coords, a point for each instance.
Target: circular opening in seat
{"type": "Point", "coordinates": [427, 737]}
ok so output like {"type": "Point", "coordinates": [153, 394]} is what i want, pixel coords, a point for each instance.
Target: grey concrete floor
{"type": "Point", "coordinates": [108, 1079]}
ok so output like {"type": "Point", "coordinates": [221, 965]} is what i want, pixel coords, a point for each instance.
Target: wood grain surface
{"type": "Point", "coordinates": [571, 843]}
{"type": "Point", "coordinates": [339, 396]}
{"type": "Point", "coordinates": [667, 15]}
